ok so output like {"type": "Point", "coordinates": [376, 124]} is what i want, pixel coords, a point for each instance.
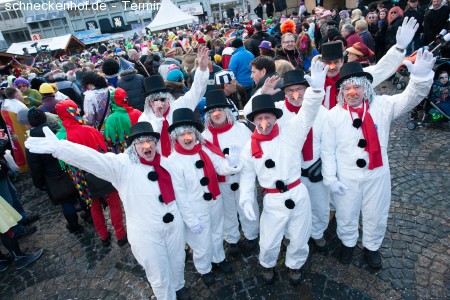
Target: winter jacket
{"type": "Point", "coordinates": [48, 104]}
{"type": "Point", "coordinates": [95, 103]}
{"type": "Point", "coordinates": [71, 90]}
{"type": "Point", "coordinates": [240, 65]}
{"type": "Point", "coordinates": [352, 39]}
{"type": "Point", "coordinates": [433, 22]}
{"type": "Point", "coordinates": [292, 56]}
{"type": "Point", "coordinates": [391, 32]}
{"type": "Point", "coordinates": [253, 43]}
{"type": "Point", "coordinates": [133, 84]}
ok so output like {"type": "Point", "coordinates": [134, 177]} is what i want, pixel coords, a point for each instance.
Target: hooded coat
{"type": "Point", "coordinates": [118, 124]}
{"type": "Point", "coordinates": [133, 84]}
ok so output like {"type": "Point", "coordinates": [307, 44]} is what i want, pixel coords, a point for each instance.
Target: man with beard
{"type": "Point", "coordinates": [160, 105]}
{"type": "Point", "coordinates": [354, 152]}
{"type": "Point", "coordinates": [154, 223]}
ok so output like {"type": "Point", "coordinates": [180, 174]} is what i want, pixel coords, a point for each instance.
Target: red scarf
{"type": "Point", "coordinates": [307, 150]}
{"type": "Point", "coordinates": [165, 139]}
{"type": "Point", "coordinates": [333, 91]}
{"type": "Point", "coordinates": [257, 138]}
{"type": "Point", "coordinates": [370, 135]}
{"type": "Point", "coordinates": [216, 149]}
{"type": "Point", "coordinates": [216, 131]}
{"type": "Point", "coordinates": [164, 178]}
{"type": "Point", "coordinates": [208, 169]}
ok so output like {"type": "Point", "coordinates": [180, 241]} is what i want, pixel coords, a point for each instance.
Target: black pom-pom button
{"type": "Point", "coordinates": [226, 151]}
{"type": "Point", "coordinates": [153, 176]}
{"type": "Point", "coordinates": [160, 198]}
{"type": "Point", "coordinates": [269, 164]}
{"type": "Point", "coordinates": [289, 203]}
{"type": "Point", "coordinates": [361, 163]}
{"type": "Point", "coordinates": [279, 185]}
{"type": "Point", "coordinates": [357, 123]}
{"type": "Point", "coordinates": [199, 164]}
{"type": "Point", "coordinates": [234, 186]}
{"type": "Point", "coordinates": [204, 181]}
{"type": "Point", "coordinates": [362, 143]}
{"type": "Point", "coordinates": [168, 218]}
{"type": "Point", "coordinates": [207, 196]}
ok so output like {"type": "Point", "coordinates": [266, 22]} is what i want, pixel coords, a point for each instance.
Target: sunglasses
{"type": "Point", "coordinates": [393, 13]}
{"type": "Point", "coordinates": [160, 99]}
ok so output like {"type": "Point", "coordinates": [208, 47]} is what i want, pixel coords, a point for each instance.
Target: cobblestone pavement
{"type": "Point", "coordinates": [416, 251]}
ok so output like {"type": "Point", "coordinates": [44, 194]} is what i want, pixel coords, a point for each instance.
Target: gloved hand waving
{"type": "Point", "coordinates": [406, 32]}
{"type": "Point", "coordinates": [318, 74]}
{"type": "Point", "coordinates": [423, 65]}
{"type": "Point", "coordinates": [43, 145]}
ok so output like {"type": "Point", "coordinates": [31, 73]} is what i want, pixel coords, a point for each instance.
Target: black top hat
{"type": "Point", "coordinates": [216, 99]}
{"type": "Point", "coordinates": [263, 104]}
{"type": "Point", "coordinates": [141, 129]}
{"type": "Point", "coordinates": [294, 77]}
{"type": "Point", "coordinates": [352, 69]}
{"type": "Point", "coordinates": [332, 50]}
{"type": "Point", "coordinates": [184, 117]}
{"type": "Point", "coordinates": [154, 84]}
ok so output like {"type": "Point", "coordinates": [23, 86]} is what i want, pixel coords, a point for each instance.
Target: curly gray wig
{"type": "Point", "coordinates": [131, 150]}
{"type": "Point", "coordinates": [228, 112]}
{"type": "Point", "coordinates": [369, 93]}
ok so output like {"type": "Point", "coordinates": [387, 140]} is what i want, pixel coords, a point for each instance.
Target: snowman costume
{"type": "Point", "coordinates": [155, 228]}
{"type": "Point", "coordinates": [359, 180]}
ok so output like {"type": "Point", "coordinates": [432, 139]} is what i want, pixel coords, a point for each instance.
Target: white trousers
{"type": "Point", "coordinates": [371, 195]}
{"type": "Point", "coordinates": [231, 210]}
{"type": "Point", "coordinates": [160, 251]}
{"type": "Point", "coordinates": [208, 245]}
{"type": "Point", "coordinates": [276, 219]}
{"type": "Point", "coordinates": [320, 206]}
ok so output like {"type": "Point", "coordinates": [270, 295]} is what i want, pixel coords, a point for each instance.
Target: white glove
{"type": "Point", "coordinates": [405, 33]}
{"type": "Point", "coordinates": [338, 188]}
{"type": "Point", "coordinates": [423, 65]}
{"type": "Point", "coordinates": [248, 211]}
{"type": "Point", "coordinates": [47, 145]}
{"type": "Point", "coordinates": [197, 229]}
{"type": "Point", "coordinates": [318, 74]}
{"type": "Point", "coordinates": [234, 156]}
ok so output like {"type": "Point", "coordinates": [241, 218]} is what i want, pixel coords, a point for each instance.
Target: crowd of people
{"type": "Point", "coordinates": [178, 129]}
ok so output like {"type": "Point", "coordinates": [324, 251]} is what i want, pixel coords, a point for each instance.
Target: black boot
{"type": "Point", "coordinates": [209, 278]}
{"type": "Point", "coordinates": [183, 294]}
{"type": "Point", "coordinates": [268, 275]}
{"type": "Point", "coordinates": [233, 249]}
{"type": "Point", "coordinates": [373, 258]}
{"type": "Point", "coordinates": [224, 266]}
{"type": "Point", "coordinates": [346, 254]}
{"type": "Point", "coordinates": [72, 224]}
{"type": "Point", "coordinates": [295, 276]}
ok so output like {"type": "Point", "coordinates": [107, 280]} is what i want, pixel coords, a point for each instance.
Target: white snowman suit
{"type": "Point", "coordinates": [208, 245]}
{"type": "Point", "coordinates": [156, 245]}
{"type": "Point", "coordinates": [239, 134]}
{"type": "Point", "coordinates": [368, 191]}
{"type": "Point", "coordinates": [189, 100]}
{"type": "Point", "coordinates": [276, 218]}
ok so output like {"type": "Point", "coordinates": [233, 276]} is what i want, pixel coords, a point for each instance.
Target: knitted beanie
{"type": "Point", "coordinates": [21, 80]}
{"type": "Point", "coordinates": [175, 75]}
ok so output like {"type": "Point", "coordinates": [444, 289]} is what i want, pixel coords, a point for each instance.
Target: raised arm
{"type": "Point", "coordinates": [198, 88]}
{"type": "Point", "coordinates": [300, 125]}
{"type": "Point", "coordinates": [389, 63]}
{"type": "Point", "coordinates": [104, 166]}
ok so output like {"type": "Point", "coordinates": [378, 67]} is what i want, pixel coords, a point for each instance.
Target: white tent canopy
{"type": "Point", "coordinates": [54, 43]}
{"type": "Point", "coordinates": [169, 16]}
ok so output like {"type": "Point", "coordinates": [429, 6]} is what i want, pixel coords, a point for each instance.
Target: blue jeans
{"type": "Point", "coordinates": [414, 45]}
{"type": "Point", "coordinates": [9, 193]}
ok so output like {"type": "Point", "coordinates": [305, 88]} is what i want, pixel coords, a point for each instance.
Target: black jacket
{"type": "Point", "coordinates": [292, 56]}
{"type": "Point", "coordinates": [433, 22]}
{"type": "Point", "coordinates": [253, 43]}
{"type": "Point", "coordinates": [418, 15]}
{"type": "Point", "coordinates": [133, 84]}
{"type": "Point", "coordinates": [391, 32]}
